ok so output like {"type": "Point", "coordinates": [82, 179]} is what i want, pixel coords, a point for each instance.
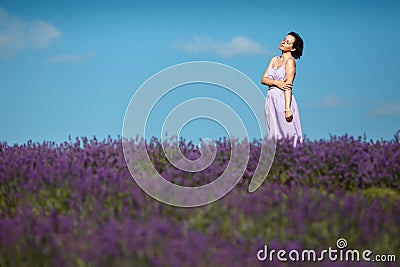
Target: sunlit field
{"type": "Point", "coordinates": [76, 204]}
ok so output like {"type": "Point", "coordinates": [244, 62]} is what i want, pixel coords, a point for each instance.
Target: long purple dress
{"type": "Point", "coordinates": [276, 103]}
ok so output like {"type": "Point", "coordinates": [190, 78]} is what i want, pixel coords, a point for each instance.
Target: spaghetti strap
{"type": "Point", "coordinates": [274, 64]}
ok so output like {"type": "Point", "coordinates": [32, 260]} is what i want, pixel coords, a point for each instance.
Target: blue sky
{"type": "Point", "coordinates": [71, 67]}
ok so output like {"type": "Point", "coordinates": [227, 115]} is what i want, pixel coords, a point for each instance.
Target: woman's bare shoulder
{"type": "Point", "coordinates": [291, 61]}
{"type": "Point", "coordinates": [272, 60]}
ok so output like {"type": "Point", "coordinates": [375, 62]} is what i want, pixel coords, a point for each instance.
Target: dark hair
{"type": "Point", "coordinates": [298, 45]}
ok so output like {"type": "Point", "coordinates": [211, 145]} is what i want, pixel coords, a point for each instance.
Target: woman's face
{"type": "Point", "coordinates": [287, 44]}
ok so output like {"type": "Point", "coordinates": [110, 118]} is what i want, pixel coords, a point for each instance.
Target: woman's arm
{"type": "Point", "coordinates": [290, 69]}
{"type": "Point", "coordinates": [265, 80]}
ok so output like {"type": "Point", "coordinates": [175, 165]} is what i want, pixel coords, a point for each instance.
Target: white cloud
{"type": "Point", "coordinates": [387, 109]}
{"type": "Point", "coordinates": [238, 46]}
{"type": "Point", "coordinates": [17, 34]}
{"type": "Point", "coordinates": [69, 58]}
{"type": "Point", "coordinates": [331, 101]}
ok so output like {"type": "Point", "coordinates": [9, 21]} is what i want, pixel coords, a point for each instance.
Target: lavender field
{"type": "Point", "coordinates": [76, 204]}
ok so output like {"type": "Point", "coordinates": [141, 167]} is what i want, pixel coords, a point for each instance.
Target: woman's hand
{"type": "Point", "coordinates": [282, 84]}
{"type": "Point", "coordinates": [288, 115]}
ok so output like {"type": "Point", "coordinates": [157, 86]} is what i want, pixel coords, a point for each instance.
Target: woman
{"type": "Point", "coordinates": [279, 76]}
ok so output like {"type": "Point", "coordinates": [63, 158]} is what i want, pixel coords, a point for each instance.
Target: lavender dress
{"type": "Point", "coordinates": [276, 103]}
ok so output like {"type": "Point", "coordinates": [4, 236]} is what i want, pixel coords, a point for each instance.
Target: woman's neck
{"type": "Point", "coordinates": [286, 55]}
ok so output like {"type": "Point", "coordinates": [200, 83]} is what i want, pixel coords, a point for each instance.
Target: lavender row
{"type": "Point", "coordinates": [341, 163]}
